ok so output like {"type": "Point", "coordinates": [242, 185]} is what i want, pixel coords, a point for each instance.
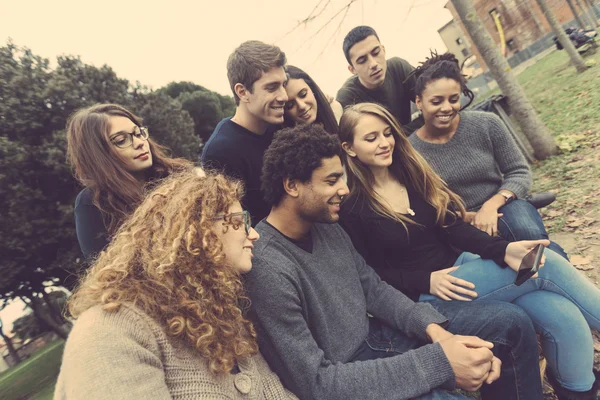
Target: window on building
{"type": "Point", "coordinates": [512, 46]}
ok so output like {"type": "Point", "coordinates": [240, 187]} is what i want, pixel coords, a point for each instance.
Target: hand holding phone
{"type": "Point", "coordinates": [529, 265]}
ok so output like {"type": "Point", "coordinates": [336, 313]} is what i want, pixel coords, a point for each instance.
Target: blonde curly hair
{"type": "Point", "coordinates": [167, 260]}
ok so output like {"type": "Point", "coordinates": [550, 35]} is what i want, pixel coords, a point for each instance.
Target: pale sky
{"type": "Point", "coordinates": [155, 43]}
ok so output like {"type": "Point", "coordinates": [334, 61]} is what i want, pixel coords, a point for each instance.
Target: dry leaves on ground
{"type": "Point", "coordinates": [582, 263]}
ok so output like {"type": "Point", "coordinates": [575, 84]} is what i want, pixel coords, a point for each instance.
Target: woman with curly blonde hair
{"type": "Point", "coordinates": [161, 312]}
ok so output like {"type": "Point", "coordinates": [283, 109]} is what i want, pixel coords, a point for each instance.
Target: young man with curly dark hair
{"type": "Point", "coordinates": [377, 80]}
{"type": "Point", "coordinates": [311, 294]}
{"type": "Point", "coordinates": [257, 78]}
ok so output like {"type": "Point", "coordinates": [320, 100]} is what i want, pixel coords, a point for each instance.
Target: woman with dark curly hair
{"type": "Point", "coordinates": [161, 312]}
{"type": "Point", "coordinates": [475, 154]}
{"type": "Point", "coordinates": [115, 160]}
{"type": "Point", "coordinates": [307, 104]}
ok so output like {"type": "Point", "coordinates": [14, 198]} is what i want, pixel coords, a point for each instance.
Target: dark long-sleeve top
{"type": "Point", "coordinates": [92, 233]}
{"type": "Point", "coordinates": [405, 258]}
{"type": "Point", "coordinates": [238, 153]}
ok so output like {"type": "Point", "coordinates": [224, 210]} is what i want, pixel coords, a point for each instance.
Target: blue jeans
{"type": "Point", "coordinates": [562, 303]}
{"type": "Point", "coordinates": [504, 324]}
{"type": "Point", "coordinates": [521, 221]}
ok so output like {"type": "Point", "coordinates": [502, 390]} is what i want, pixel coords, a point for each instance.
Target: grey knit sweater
{"type": "Point", "coordinates": [311, 316]}
{"type": "Point", "coordinates": [479, 160]}
{"type": "Point", "coordinates": [126, 355]}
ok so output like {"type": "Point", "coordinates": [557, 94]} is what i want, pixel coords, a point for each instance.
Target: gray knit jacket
{"type": "Point", "coordinates": [310, 311]}
{"type": "Point", "coordinates": [479, 160]}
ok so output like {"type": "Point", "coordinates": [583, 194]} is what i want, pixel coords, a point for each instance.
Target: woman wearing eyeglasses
{"type": "Point", "coordinates": [115, 160]}
{"type": "Point", "coordinates": [161, 313]}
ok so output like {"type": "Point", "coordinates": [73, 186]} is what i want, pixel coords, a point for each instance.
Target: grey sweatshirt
{"type": "Point", "coordinates": [310, 311]}
{"type": "Point", "coordinates": [479, 160]}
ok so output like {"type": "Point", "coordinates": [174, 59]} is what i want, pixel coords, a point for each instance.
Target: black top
{"type": "Point", "coordinates": [238, 153]}
{"type": "Point", "coordinates": [92, 234]}
{"type": "Point", "coordinates": [406, 260]}
{"type": "Point", "coordinates": [305, 243]}
{"type": "Point", "coordinates": [395, 94]}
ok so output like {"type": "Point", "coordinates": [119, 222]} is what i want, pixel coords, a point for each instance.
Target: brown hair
{"type": "Point", "coordinates": [98, 166]}
{"type": "Point", "coordinates": [167, 261]}
{"type": "Point", "coordinates": [249, 61]}
{"type": "Point", "coordinates": [408, 167]}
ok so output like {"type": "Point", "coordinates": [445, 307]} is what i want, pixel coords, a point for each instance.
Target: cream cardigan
{"type": "Point", "coordinates": [126, 355]}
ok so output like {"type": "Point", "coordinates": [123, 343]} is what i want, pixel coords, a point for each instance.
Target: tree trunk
{"type": "Point", "coordinates": [575, 14]}
{"type": "Point", "coordinates": [11, 348]}
{"type": "Point", "coordinates": [55, 312]}
{"type": "Point", "coordinates": [531, 124]}
{"type": "Point", "coordinates": [535, 19]}
{"type": "Point", "coordinates": [36, 305]}
{"type": "Point", "coordinates": [593, 10]}
{"type": "Point", "coordinates": [588, 13]}
{"type": "Point", "coordinates": [564, 40]}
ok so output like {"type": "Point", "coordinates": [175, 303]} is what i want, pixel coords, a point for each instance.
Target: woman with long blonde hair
{"type": "Point", "coordinates": [406, 223]}
{"type": "Point", "coordinates": [160, 314]}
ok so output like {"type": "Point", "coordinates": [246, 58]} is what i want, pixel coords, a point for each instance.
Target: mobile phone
{"type": "Point", "coordinates": [530, 264]}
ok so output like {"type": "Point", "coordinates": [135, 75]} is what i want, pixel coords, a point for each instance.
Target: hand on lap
{"type": "Point", "coordinates": [448, 287]}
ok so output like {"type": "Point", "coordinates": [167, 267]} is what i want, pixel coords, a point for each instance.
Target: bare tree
{"type": "Point", "coordinates": [532, 126]}
{"type": "Point", "coordinates": [588, 13]}
{"type": "Point", "coordinates": [564, 40]}
{"type": "Point", "coordinates": [534, 17]}
{"type": "Point", "coordinates": [11, 348]}
{"type": "Point", "coordinates": [576, 14]}
{"type": "Point", "coordinates": [592, 9]}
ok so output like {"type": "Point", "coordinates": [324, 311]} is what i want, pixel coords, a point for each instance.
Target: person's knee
{"type": "Point", "coordinates": [522, 221]}
{"type": "Point", "coordinates": [515, 324]}
{"type": "Point", "coordinates": [522, 230]}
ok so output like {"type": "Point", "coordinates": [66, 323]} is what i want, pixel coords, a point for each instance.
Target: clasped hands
{"type": "Point", "coordinates": [471, 358]}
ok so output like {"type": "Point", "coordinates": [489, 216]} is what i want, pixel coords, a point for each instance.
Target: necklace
{"type": "Point", "coordinates": [409, 210]}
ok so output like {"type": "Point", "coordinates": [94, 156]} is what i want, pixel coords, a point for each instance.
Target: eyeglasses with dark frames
{"type": "Point", "coordinates": [125, 139]}
{"type": "Point", "coordinates": [236, 220]}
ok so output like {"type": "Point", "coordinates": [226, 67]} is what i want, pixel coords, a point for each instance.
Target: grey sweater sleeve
{"type": "Point", "coordinates": [510, 160]}
{"type": "Point", "coordinates": [292, 352]}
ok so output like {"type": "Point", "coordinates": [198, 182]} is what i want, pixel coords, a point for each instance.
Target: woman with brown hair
{"type": "Point", "coordinates": [308, 104]}
{"type": "Point", "coordinates": [160, 314]}
{"type": "Point", "coordinates": [404, 221]}
{"type": "Point", "coordinates": [114, 159]}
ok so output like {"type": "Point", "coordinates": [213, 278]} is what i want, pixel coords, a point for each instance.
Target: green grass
{"type": "Point", "coordinates": [567, 102]}
{"type": "Point", "coordinates": [35, 377]}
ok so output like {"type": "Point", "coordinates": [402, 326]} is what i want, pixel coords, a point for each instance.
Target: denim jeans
{"type": "Point", "coordinates": [562, 303]}
{"type": "Point", "coordinates": [521, 221]}
{"type": "Point", "coordinates": [506, 325]}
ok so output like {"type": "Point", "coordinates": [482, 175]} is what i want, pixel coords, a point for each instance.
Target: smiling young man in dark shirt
{"type": "Point", "coordinates": [257, 78]}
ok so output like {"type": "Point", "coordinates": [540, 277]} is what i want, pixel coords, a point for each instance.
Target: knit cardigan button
{"type": "Point", "coordinates": [243, 383]}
